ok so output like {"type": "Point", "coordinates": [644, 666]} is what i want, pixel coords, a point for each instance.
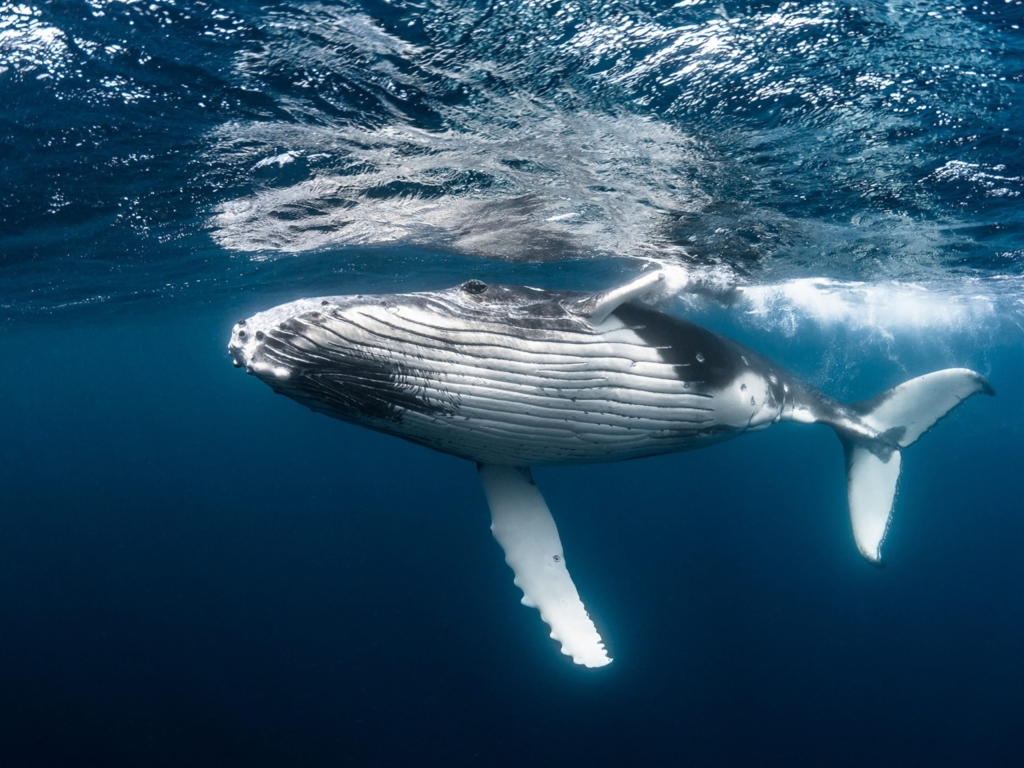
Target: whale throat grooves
{"type": "Point", "coordinates": [342, 381]}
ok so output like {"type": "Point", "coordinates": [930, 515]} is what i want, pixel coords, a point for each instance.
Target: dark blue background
{"type": "Point", "coordinates": [198, 572]}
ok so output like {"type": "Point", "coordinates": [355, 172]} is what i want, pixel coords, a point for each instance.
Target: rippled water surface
{"type": "Point", "coordinates": [146, 144]}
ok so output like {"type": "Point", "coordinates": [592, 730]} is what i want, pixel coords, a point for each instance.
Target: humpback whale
{"type": "Point", "coordinates": [512, 377]}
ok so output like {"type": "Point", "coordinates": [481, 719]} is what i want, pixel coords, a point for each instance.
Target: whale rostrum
{"type": "Point", "coordinates": [512, 377]}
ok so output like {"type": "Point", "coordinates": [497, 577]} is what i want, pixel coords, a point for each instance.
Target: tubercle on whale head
{"type": "Point", "coordinates": [237, 344]}
{"type": "Point", "coordinates": [244, 347]}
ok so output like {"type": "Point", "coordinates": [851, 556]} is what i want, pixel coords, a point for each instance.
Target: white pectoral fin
{"type": "Point", "coordinates": [871, 490]}
{"type": "Point", "coordinates": [597, 307]}
{"type": "Point", "coordinates": [523, 526]}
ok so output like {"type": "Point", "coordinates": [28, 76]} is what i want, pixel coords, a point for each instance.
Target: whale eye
{"type": "Point", "coordinates": [474, 287]}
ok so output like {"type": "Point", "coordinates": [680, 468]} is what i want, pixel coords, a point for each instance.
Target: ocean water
{"type": "Point", "coordinates": [195, 572]}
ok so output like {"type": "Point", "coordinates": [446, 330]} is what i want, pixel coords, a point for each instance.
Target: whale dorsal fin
{"type": "Point", "coordinates": [597, 307]}
{"type": "Point", "coordinates": [523, 526]}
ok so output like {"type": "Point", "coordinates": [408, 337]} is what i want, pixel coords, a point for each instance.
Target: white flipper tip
{"type": "Point", "coordinates": [572, 627]}
{"type": "Point", "coordinates": [592, 658]}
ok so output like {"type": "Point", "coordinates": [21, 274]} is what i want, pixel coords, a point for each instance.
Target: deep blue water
{"type": "Point", "coordinates": [196, 572]}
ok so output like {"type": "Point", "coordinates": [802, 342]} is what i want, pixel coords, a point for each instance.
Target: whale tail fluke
{"type": "Point", "coordinates": [900, 416]}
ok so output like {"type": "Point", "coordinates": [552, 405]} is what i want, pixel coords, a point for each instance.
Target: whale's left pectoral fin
{"type": "Point", "coordinates": [523, 526]}
{"type": "Point", "coordinates": [598, 306]}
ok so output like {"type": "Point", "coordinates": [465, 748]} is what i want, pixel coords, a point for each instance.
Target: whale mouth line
{"type": "Point", "coordinates": [237, 354]}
